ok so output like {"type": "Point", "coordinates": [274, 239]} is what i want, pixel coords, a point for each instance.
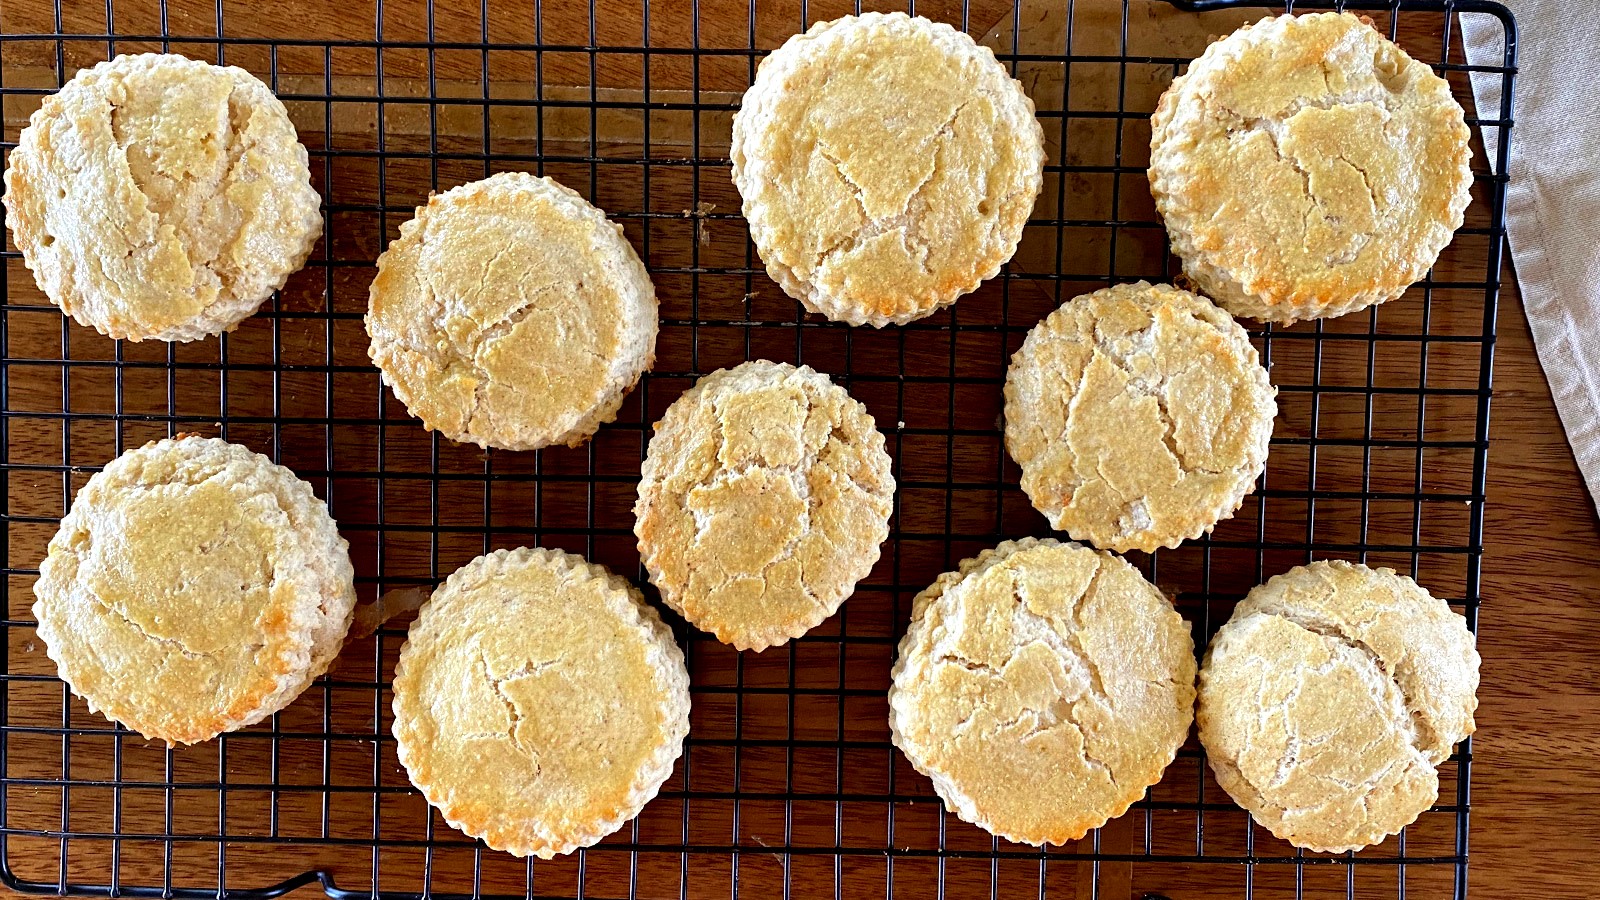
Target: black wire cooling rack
{"type": "Point", "coordinates": [788, 785]}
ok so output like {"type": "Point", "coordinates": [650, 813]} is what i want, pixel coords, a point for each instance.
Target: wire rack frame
{"type": "Point", "coordinates": [788, 785]}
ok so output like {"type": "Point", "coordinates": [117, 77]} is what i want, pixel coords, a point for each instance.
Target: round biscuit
{"type": "Point", "coordinates": [511, 313]}
{"type": "Point", "coordinates": [764, 498]}
{"type": "Point", "coordinates": [1331, 697]}
{"type": "Point", "coordinates": [156, 196]}
{"type": "Point", "coordinates": [1306, 167]}
{"type": "Point", "coordinates": [1140, 415]}
{"type": "Point", "coordinates": [887, 166]}
{"type": "Point", "coordinates": [194, 588]}
{"type": "Point", "coordinates": [539, 703]}
{"type": "Point", "coordinates": [1043, 687]}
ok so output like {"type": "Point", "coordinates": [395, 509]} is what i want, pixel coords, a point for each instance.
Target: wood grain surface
{"type": "Point", "coordinates": [1535, 816]}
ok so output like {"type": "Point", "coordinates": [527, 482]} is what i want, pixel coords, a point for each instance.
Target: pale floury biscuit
{"type": "Point", "coordinates": [1329, 699]}
{"type": "Point", "coordinates": [1043, 688]}
{"type": "Point", "coordinates": [538, 702]}
{"type": "Point", "coordinates": [156, 196]}
{"type": "Point", "coordinates": [887, 165]}
{"type": "Point", "coordinates": [763, 500]}
{"type": "Point", "coordinates": [510, 313]}
{"type": "Point", "coordinates": [194, 588]}
{"type": "Point", "coordinates": [1307, 167]}
{"type": "Point", "coordinates": [1140, 415]}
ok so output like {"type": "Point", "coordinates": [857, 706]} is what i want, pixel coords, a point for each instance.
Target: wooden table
{"type": "Point", "coordinates": [1536, 808]}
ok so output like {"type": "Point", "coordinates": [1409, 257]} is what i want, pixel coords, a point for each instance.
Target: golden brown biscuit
{"type": "Point", "coordinates": [510, 313]}
{"type": "Point", "coordinates": [538, 702]}
{"type": "Point", "coordinates": [1140, 415]}
{"type": "Point", "coordinates": [1042, 687]}
{"type": "Point", "coordinates": [1329, 700]}
{"type": "Point", "coordinates": [194, 588]}
{"type": "Point", "coordinates": [160, 197]}
{"type": "Point", "coordinates": [887, 165]}
{"type": "Point", "coordinates": [1307, 167]}
{"type": "Point", "coordinates": [763, 500]}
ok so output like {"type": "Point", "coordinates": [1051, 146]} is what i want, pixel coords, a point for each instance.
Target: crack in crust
{"type": "Point", "coordinates": [1329, 700]}
{"type": "Point", "coordinates": [764, 498]}
{"type": "Point", "coordinates": [172, 643]}
{"type": "Point", "coordinates": [1276, 131]}
{"type": "Point", "coordinates": [1147, 366]}
{"type": "Point", "coordinates": [908, 220]}
{"type": "Point", "coordinates": [1295, 191]}
{"type": "Point", "coordinates": [510, 313]}
{"type": "Point", "coordinates": [1058, 712]}
{"type": "Point", "coordinates": [156, 196]}
{"type": "Point", "coordinates": [1297, 746]}
{"type": "Point", "coordinates": [1042, 687]}
{"type": "Point", "coordinates": [513, 712]}
{"type": "Point", "coordinates": [887, 166]}
{"type": "Point", "coordinates": [1415, 725]}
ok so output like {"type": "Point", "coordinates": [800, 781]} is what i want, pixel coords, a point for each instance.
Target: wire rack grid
{"type": "Point", "coordinates": [788, 785]}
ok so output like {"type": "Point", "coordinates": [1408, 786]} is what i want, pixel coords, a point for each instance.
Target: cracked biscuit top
{"type": "Point", "coordinates": [1140, 416]}
{"type": "Point", "coordinates": [1329, 700]}
{"type": "Point", "coordinates": [538, 702]}
{"type": "Point", "coordinates": [887, 166]}
{"type": "Point", "coordinates": [194, 588]}
{"type": "Point", "coordinates": [763, 500]}
{"type": "Point", "coordinates": [510, 313]}
{"type": "Point", "coordinates": [160, 197]}
{"type": "Point", "coordinates": [1307, 167]}
{"type": "Point", "coordinates": [1042, 687]}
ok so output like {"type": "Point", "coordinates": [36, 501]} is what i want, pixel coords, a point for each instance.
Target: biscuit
{"type": "Point", "coordinates": [887, 166]}
{"type": "Point", "coordinates": [538, 702]}
{"type": "Point", "coordinates": [763, 499]}
{"type": "Point", "coordinates": [160, 197]}
{"type": "Point", "coordinates": [194, 588]}
{"type": "Point", "coordinates": [510, 313]}
{"type": "Point", "coordinates": [1042, 687]}
{"type": "Point", "coordinates": [1329, 699]}
{"type": "Point", "coordinates": [1140, 415]}
{"type": "Point", "coordinates": [1307, 167]}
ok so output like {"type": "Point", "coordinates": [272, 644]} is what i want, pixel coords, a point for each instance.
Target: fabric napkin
{"type": "Point", "coordinates": [1553, 201]}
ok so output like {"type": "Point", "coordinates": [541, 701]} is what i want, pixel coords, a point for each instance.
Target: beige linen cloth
{"type": "Point", "coordinates": [1553, 200]}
